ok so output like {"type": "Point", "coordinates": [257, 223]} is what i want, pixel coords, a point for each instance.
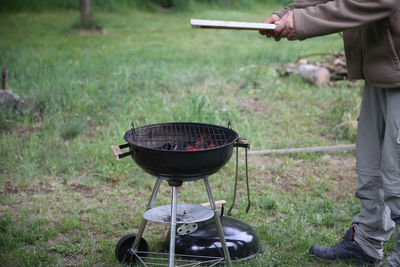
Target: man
{"type": "Point", "coordinates": [371, 33]}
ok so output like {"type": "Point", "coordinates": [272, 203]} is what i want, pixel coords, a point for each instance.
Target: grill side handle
{"type": "Point", "coordinates": [118, 153]}
{"type": "Point", "coordinates": [241, 142]}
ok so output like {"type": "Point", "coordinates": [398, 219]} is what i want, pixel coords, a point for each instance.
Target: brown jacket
{"type": "Point", "coordinates": [371, 34]}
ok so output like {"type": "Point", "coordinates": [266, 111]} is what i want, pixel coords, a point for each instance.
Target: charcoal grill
{"type": "Point", "coordinates": [178, 152]}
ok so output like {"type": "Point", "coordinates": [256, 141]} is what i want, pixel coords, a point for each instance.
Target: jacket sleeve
{"type": "Point", "coordinates": [299, 4]}
{"type": "Point", "coordinates": [339, 15]}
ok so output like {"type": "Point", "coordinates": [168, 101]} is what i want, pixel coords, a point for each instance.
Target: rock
{"type": "Point", "coordinates": [10, 101]}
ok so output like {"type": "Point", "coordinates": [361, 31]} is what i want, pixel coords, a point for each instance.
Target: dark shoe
{"type": "Point", "coordinates": [347, 250]}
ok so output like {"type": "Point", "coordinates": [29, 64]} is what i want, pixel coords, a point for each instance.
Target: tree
{"type": "Point", "coordinates": [85, 13]}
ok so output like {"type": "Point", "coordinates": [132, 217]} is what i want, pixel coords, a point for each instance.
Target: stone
{"type": "Point", "coordinates": [10, 101]}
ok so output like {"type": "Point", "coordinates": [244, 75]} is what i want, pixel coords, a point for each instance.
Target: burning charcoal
{"type": "Point", "coordinates": [168, 146]}
{"type": "Point", "coordinates": [203, 142]}
{"type": "Point", "coordinates": [181, 146]}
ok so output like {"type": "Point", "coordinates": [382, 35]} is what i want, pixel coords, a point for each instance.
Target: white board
{"type": "Point", "coordinates": [220, 24]}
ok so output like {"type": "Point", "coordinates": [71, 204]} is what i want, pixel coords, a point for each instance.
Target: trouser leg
{"type": "Point", "coordinates": [390, 164]}
{"type": "Point", "coordinates": [373, 224]}
{"type": "Point", "coordinates": [390, 160]}
{"type": "Point", "coordinates": [394, 259]}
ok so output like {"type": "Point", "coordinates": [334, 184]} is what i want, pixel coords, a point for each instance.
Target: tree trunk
{"type": "Point", "coordinates": [85, 13]}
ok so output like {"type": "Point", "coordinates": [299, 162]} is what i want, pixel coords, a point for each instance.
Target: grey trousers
{"type": "Point", "coordinates": [378, 169]}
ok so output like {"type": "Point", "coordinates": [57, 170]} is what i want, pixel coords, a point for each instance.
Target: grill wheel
{"type": "Point", "coordinates": [122, 250]}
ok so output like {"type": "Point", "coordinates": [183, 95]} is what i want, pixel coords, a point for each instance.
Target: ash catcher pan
{"type": "Point", "coordinates": [202, 239]}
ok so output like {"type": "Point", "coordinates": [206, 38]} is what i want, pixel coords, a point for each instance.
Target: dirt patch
{"type": "Point", "coordinates": [84, 190]}
{"type": "Point", "coordinates": [34, 187]}
{"type": "Point", "coordinates": [333, 176]}
{"type": "Point", "coordinates": [9, 188]}
{"type": "Point", "coordinates": [253, 106]}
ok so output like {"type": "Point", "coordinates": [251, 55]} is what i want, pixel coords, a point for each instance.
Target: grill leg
{"type": "Point", "coordinates": [218, 222]}
{"type": "Point", "coordinates": [173, 226]}
{"type": "Point", "coordinates": [144, 221]}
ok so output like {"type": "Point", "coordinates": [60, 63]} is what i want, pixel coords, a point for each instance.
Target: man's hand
{"type": "Point", "coordinates": [285, 28]}
{"type": "Point", "coordinates": [273, 19]}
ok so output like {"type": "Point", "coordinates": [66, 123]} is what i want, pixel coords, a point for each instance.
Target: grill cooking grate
{"type": "Point", "coordinates": [181, 136]}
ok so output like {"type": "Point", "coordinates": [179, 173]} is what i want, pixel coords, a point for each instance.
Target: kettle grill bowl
{"type": "Point", "coordinates": [147, 148]}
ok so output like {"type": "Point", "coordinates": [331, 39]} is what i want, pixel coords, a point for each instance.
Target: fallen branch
{"type": "Point", "coordinates": [302, 150]}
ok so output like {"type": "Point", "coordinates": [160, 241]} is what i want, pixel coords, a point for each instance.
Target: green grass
{"type": "Point", "coordinates": [65, 201]}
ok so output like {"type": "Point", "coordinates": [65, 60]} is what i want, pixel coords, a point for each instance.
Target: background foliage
{"type": "Point", "coordinates": [106, 5]}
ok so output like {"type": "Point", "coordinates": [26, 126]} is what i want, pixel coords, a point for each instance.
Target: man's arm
{"type": "Point", "coordinates": [300, 4]}
{"type": "Point", "coordinates": [339, 15]}
{"type": "Point", "coordinates": [276, 16]}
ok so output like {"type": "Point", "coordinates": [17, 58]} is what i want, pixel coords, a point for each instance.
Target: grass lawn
{"type": "Point", "coordinates": [66, 202]}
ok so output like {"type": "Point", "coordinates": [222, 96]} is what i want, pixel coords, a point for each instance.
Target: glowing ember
{"type": "Point", "coordinates": [203, 142]}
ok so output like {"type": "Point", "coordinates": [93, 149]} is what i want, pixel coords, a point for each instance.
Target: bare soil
{"type": "Point", "coordinates": [253, 106]}
{"type": "Point", "coordinates": [334, 173]}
